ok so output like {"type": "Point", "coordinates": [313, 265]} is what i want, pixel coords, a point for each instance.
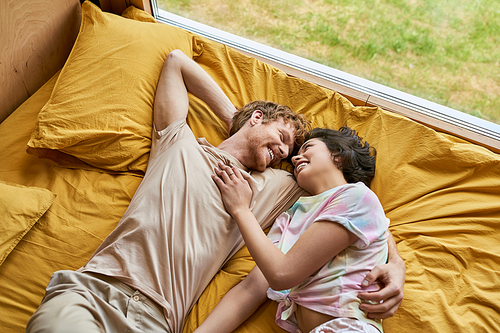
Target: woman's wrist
{"type": "Point", "coordinates": [241, 214]}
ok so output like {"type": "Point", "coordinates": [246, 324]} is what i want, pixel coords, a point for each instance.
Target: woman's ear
{"type": "Point", "coordinates": [257, 117]}
{"type": "Point", "coordinates": [337, 160]}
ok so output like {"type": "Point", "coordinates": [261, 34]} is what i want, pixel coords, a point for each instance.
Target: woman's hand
{"type": "Point", "coordinates": [235, 190]}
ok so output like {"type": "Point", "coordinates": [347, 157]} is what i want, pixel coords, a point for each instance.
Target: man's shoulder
{"type": "Point", "coordinates": [274, 173]}
{"type": "Point", "coordinates": [174, 132]}
{"type": "Point", "coordinates": [279, 179]}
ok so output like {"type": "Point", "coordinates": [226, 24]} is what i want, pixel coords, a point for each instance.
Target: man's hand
{"type": "Point", "coordinates": [392, 275]}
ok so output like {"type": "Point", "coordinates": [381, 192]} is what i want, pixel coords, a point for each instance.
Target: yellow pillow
{"type": "Point", "coordinates": [20, 209]}
{"type": "Point", "coordinates": [100, 112]}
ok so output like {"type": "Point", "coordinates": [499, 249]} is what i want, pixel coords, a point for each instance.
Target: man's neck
{"type": "Point", "coordinates": [231, 146]}
{"type": "Point", "coordinates": [234, 146]}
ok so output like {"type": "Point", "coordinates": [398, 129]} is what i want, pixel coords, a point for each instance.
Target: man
{"type": "Point", "coordinates": [176, 234]}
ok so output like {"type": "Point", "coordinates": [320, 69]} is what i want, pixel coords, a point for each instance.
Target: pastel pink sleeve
{"type": "Point", "coordinates": [278, 227]}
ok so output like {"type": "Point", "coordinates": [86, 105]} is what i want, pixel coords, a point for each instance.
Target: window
{"type": "Point", "coordinates": [356, 88]}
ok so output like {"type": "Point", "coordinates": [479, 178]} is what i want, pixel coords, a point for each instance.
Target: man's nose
{"type": "Point", "coordinates": [283, 149]}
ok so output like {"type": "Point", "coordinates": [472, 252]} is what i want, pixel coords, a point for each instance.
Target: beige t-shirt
{"type": "Point", "coordinates": [176, 234]}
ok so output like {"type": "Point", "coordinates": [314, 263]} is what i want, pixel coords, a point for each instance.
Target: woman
{"type": "Point", "coordinates": [318, 252]}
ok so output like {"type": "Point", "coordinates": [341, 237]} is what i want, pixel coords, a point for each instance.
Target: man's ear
{"type": "Point", "coordinates": [257, 117]}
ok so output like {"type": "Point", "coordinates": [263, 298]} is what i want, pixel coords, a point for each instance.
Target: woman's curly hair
{"type": "Point", "coordinates": [355, 158]}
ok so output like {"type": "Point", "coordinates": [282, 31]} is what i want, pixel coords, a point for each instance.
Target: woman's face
{"type": "Point", "coordinates": [314, 167]}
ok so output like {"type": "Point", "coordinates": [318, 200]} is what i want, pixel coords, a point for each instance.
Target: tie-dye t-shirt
{"type": "Point", "coordinates": [333, 289]}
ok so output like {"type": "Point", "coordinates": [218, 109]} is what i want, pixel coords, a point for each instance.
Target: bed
{"type": "Point", "coordinates": [75, 151]}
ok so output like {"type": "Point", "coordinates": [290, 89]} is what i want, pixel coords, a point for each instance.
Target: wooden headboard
{"type": "Point", "coordinates": [36, 38]}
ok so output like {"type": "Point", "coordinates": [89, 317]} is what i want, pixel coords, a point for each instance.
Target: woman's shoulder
{"type": "Point", "coordinates": [356, 190]}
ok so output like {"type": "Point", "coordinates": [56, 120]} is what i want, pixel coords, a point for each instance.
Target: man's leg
{"type": "Point", "coordinates": [76, 302]}
{"type": "Point", "coordinates": [67, 312]}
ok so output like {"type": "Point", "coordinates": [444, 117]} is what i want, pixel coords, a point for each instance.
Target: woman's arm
{"type": "Point", "coordinates": [393, 276]}
{"type": "Point", "coordinates": [318, 245]}
{"type": "Point", "coordinates": [237, 305]}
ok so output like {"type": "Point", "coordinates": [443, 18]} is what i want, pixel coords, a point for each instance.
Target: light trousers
{"type": "Point", "coordinates": [86, 302]}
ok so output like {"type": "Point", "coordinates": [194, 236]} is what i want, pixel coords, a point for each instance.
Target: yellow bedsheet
{"type": "Point", "coordinates": [441, 194]}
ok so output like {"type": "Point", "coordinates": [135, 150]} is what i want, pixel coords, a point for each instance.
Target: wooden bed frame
{"type": "Point", "coordinates": [36, 38]}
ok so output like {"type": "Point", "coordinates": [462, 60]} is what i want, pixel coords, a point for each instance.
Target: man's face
{"type": "Point", "coordinates": [269, 144]}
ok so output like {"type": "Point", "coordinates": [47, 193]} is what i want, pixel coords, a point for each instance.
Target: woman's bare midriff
{"type": "Point", "coordinates": [308, 319]}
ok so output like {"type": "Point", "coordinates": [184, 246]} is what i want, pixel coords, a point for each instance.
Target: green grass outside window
{"type": "Point", "coordinates": [446, 51]}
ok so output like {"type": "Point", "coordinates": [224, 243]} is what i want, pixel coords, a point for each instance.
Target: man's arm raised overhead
{"type": "Point", "coordinates": [181, 75]}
